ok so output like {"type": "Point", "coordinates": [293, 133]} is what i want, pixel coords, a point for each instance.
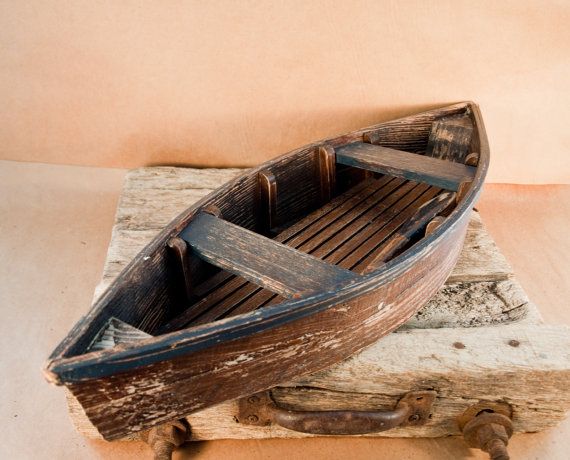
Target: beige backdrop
{"type": "Point", "coordinates": [134, 83]}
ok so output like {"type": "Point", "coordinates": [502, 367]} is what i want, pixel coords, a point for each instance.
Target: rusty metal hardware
{"type": "Point", "coordinates": [163, 439]}
{"type": "Point", "coordinates": [412, 409]}
{"type": "Point", "coordinates": [487, 429]}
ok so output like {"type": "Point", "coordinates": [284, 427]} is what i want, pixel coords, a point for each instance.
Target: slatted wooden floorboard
{"type": "Point", "coordinates": [345, 232]}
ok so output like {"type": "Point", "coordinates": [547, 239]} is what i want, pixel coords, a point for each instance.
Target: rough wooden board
{"type": "Point", "coordinates": [261, 260]}
{"type": "Point", "coordinates": [480, 259]}
{"type": "Point", "coordinates": [411, 166]}
{"type": "Point", "coordinates": [154, 196]}
{"type": "Point", "coordinates": [476, 304]}
{"type": "Point", "coordinates": [464, 366]}
{"type": "Point", "coordinates": [450, 138]}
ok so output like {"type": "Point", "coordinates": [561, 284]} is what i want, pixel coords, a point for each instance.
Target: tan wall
{"type": "Point", "coordinates": [234, 83]}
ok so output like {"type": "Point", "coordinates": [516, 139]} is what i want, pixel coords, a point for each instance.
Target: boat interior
{"type": "Point", "coordinates": [311, 222]}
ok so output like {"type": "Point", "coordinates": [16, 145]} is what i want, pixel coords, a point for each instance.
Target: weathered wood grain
{"type": "Point", "coordinates": [479, 261]}
{"type": "Point", "coordinates": [475, 304]}
{"type": "Point", "coordinates": [326, 164]}
{"type": "Point", "coordinates": [275, 266]}
{"type": "Point", "coordinates": [417, 222]}
{"type": "Point", "coordinates": [267, 201]}
{"type": "Point", "coordinates": [525, 366]}
{"type": "Point", "coordinates": [450, 138]}
{"type": "Point", "coordinates": [399, 135]}
{"type": "Point", "coordinates": [420, 168]}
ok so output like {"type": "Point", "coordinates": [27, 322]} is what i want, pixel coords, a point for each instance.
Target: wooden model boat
{"type": "Point", "coordinates": [286, 270]}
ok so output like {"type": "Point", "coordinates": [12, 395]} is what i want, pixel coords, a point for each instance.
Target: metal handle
{"type": "Point", "coordinates": [412, 409]}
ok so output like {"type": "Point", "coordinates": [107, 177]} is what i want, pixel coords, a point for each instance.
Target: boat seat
{"type": "Point", "coordinates": [263, 261]}
{"type": "Point", "coordinates": [349, 232]}
{"type": "Point", "coordinates": [433, 171]}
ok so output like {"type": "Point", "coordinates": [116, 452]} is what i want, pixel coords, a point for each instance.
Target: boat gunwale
{"type": "Point", "coordinates": [87, 366]}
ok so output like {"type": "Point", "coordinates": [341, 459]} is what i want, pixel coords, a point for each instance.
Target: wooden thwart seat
{"type": "Point", "coordinates": [433, 171]}
{"type": "Point", "coordinates": [265, 262]}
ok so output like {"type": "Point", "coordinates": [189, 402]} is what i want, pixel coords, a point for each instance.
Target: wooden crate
{"type": "Point", "coordinates": [479, 340]}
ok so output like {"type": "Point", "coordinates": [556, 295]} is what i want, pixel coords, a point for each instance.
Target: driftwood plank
{"type": "Point", "coordinates": [480, 259]}
{"type": "Point", "coordinates": [275, 266]}
{"type": "Point", "coordinates": [482, 303]}
{"type": "Point", "coordinates": [525, 366]}
{"type": "Point", "coordinates": [419, 168]}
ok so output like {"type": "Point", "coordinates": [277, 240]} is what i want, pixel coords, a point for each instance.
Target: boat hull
{"type": "Point", "coordinates": [127, 402]}
{"type": "Point", "coordinates": [132, 388]}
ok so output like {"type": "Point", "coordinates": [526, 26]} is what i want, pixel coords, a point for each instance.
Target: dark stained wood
{"type": "Point", "coordinates": [375, 236]}
{"type": "Point", "coordinates": [353, 242]}
{"type": "Point", "coordinates": [309, 234]}
{"type": "Point", "coordinates": [472, 159]}
{"type": "Point", "coordinates": [238, 200]}
{"type": "Point", "coordinates": [193, 374]}
{"type": "Point", "coordinates": [418, 222]}
{"type": "Point", "coordinates": [179, 249]}
{"type": "Point", "coordinates": [405, 134]}
{"type": "Point", "coordinates": [327, 172]}
{"type": "Point", "coordinates": [261, 260]}
{"type": "Point", "coordinates": [267, 200]}
{"type": "Point", "coordinates": [333, 233]}
{"type": "Point", "coordinates": [439, 173]}
{"type": "Point", "coordinates": [132, 388]}
{"type": "Point", "coordinates": [450, 139]}
{"type": "Point", "coordinates": [227, 292]}
{"type": "Point", "coordinates": [351, 237]}
{"type": "Point", "coordinates": [339, 214]}
{"type": "Point", "coordinates": [357, 240]}
{"type": "Point", "coordinates": [326, 233]}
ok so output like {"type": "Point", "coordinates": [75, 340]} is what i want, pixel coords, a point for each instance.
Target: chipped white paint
{"type": "Point", "coordinates": [240, 359]}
